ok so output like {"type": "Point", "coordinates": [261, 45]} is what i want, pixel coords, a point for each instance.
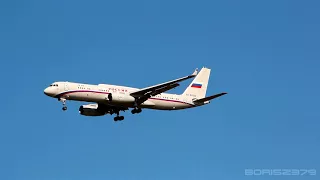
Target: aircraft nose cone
{"type": "Point", "coordinates": [47, 92]}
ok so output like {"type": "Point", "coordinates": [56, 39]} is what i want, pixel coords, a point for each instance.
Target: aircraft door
{"type": "Point", "coordinates": [120, 96]}
{"type": "Point", "coordinates": [66, 87]}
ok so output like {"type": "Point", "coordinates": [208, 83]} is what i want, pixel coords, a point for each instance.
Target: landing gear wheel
{"type": "Point", "coordinates": [118, 118]}
{"type": "Point", "coordinates": [136, 111]}
{"type": "Point", "coordinates": [63, 103]}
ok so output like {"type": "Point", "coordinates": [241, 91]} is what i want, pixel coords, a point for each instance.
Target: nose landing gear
{"type": "Point", "coordinates": [64, 108]}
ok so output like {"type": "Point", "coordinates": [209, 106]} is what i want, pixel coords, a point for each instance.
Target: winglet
{"type": "Point", "coordinates": [195, 72]}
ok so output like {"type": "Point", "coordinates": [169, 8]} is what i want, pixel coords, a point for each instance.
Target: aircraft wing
{"type": "Point", "coordinates": [147, 92]}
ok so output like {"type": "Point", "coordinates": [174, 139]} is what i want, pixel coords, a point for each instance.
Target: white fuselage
{"type": "Point", "coordinates": [121, 96]}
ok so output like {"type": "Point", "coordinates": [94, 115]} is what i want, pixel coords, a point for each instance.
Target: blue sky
{"type": "Point", "coordinates": [265, 54]}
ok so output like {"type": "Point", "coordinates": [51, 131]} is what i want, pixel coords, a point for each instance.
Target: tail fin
{"type": "Point", "coordinates": [198, 86]}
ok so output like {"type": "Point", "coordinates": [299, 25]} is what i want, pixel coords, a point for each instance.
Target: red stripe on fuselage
{"type": "Point", "coordinates": [101, 92]}
{"type": "Point", "coordinates": [76, 91]}
{"type": "Point", "coordinates": [169, 100]}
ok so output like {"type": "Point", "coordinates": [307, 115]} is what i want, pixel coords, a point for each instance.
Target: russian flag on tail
{"type": "Point", "coordinates": [196, 85]}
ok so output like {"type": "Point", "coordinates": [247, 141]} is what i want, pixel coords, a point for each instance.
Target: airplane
{"type": "Point", "coordinates": [111, 99]}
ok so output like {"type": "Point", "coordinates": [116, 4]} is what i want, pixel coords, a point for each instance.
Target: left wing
{"type": "Point", "coordinates": [143, 94]}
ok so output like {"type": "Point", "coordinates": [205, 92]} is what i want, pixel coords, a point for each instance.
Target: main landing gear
{"type": "Point", "coordinates": [118, 118]}
{"type": "Point", "coordinates": [136, 110]}
{"type": "Point", "coordinates": [64, 108]}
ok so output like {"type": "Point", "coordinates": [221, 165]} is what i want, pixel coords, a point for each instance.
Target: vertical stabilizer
{"type": "Point", "coordinates": [198, 87]}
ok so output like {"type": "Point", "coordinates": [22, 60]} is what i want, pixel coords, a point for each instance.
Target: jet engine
{"type": "Point", "coordinates": [90, 110]}
{"type": "Point", "coordinates": [120, 98]}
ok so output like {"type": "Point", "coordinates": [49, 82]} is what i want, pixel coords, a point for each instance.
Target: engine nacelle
{"type": "Point", "coordinates": [120, 98]}
{"type": "Point", "coordinates": [90, 110]}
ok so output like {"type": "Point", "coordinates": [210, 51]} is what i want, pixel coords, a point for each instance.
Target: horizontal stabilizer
{"type": "Point", "coordinates": [198, 101]}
